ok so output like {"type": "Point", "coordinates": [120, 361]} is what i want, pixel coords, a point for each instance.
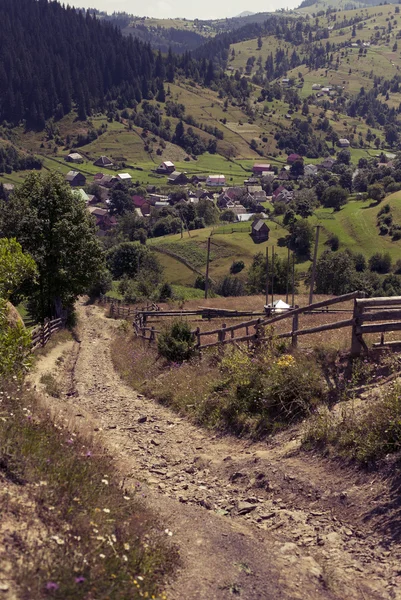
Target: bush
{"type": "Point", "coordinates": [237, 267]}
{"type": "Point", "coordinates": [229, 286]}
{"type": "Point", "coordinates": [333, 242]}
{"type": "Point", "coordinates": [176, 342]}
{"type": "Point", "coordinates": [380, 263]}
{"type": "Point", "coordinates": [166, 292]}
{"type": "Point", "coordinates": [279, 388]}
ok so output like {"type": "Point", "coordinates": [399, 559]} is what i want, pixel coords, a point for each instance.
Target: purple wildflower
{"type": "Point", "coordinates": [79, 579]}
{"type": "Point", "coordinates": [70, 441]}
{"type": "Point", "coordinates": [51, 586]}
{"type": "Point", "coordinates": [88, 454]}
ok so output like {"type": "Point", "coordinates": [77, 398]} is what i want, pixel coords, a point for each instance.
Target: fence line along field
{"type": "Point", "coordinates": [347, 322]}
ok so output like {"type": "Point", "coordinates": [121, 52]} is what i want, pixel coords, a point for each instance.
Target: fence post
{"type": "Point", "coordinates": [356, 340]}
{"type": "Point", "coordinates": [295, 327]}
{"type": "Point", "coordinates": [152, 337]}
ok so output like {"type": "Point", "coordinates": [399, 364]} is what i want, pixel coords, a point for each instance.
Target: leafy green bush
{"type": "Point", "coordinates": [15, 345]}
{"type": "Point", "coordinates": [176, 342]}
{"type": "Point", "coordinates": [278, 388]}
{"type": "Point", "coordinates": [237, 266]}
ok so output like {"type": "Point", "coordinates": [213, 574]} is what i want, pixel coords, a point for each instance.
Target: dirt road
{"type": "Point", "coordinates": [261, 521]}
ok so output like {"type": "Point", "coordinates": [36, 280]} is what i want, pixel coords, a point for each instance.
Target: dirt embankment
{"type": "Point", "coordinates": [260, 520]}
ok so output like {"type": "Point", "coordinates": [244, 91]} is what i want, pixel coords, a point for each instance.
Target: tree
{"type": "Point", "coordinates": [52, 224]}
{"type": "Point", "coordinates": [301, 237]}
{"type": "Point", "coordinates": [305, 202]}
{"type": "Point", "coordinates": [335, 197]}
{"type": "Point", "coordinates": [380, 263]}
{"type": "Point", "coordinates": [228, 215]}
{"type": "Point", "coordinates": [15, 267]}
{"type": "Point", "coordinates": [257, 275]}
{"type": "Point", "coordinates": [344, 156]}
{"type": "Point", "coordinates": [120, 202]}
{"type": "Point", "coordinates": [335, 273]}
{"type": "Point", "coordinates": [130, 259]}
{"type": "Point", "coordinates": [376, 192]}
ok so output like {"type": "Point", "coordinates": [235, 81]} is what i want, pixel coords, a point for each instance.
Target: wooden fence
{"type": "Point", "coordinates": [369, 315]}
{"type": "Point", "coordinates": [42, 333]}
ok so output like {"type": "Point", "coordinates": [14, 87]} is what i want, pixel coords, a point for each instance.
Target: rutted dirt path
{"type": "Point", "coordinates": [259, 520]}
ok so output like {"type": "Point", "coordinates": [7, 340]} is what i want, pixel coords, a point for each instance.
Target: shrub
{"type": "Point", "coordinates": [333, 242]}
{"type": "Point", "coordinates": [166, 292]}
{"type": "Point", "coordinates": [279, 388]}
{"type": "Point", "coordinates": [229, 286]}
{"type": "Point", "coordinates": [237, 266]}
{"type": "Point", "coordinates": [176, 342]}
{"type": "Point", "coordinates": [380, 263]}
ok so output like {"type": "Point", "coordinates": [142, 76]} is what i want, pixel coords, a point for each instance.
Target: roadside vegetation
{"type": "Point", "coordinates": [247, 392]}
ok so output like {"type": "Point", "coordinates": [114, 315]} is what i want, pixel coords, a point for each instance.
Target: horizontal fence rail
{"type": "Point", "coordinates": [369, 316]}
{"type": "Point", "coordinates": [42, 333]}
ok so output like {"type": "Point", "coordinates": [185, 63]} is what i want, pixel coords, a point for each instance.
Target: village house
{"type": "Point", "coordinates": [291, 158]}
{"type": "Point", "coordinates": [124, 177]}
{"type": "Point", "coordinates": [75, 179]}
{"type": "Point", "coordinates": [285, 81]}
{"type": "Point", "coordinates": [238, 209]}
{"type": "Point", "coordinates": [196, 179]}
{"type": "Point", "coordinates": [224, 201]}
{"type": "Point", "coordinates": [8, 188]}
{"type": "Point", "coordinates": [284, 196]}
{"type": "Point", "coordinates": [92, 199]}
{"type": "Point", "coordinates": [284, 175]}
{"type": "Point", "coordinates": [177, 178]}
{"type": "Point", "coordinates": [254, 189]}
{"type": "Point", "coordinates": [260, 195]}
{"type": "Point", "coordinates": [259, 169]}
{"type": "Point", "coordinates": [107, 181]}
{"type": "Point", "coordinates": [104, 220]}
{"type": "Point", "coordinates": [326, 90]}
{"type": "Point", "coordinates": [216, 180]}
{"type": "Point", "coordinates": [166, 167]}
{"type": "Point", "coordinates": [310, 170]}
{"type": "Point", "coordinates": [83, 195]}
{"type": "Point", "coordinates": [327, 164]}
{"type": "Point", "coordinates": [343, 143]}
{"type": "Point", "coordinates": [98, 177]}
{"type": "Point", "coordinates": [103, 161]}
{"type": "Point", "coordinates": [74, 157]}
{"type": "Point", "coordinates": [260, 231]}
{"type": "Point", "coordinates": [277, 191]}
{"type": "Point", "coordinates": [316, 86]}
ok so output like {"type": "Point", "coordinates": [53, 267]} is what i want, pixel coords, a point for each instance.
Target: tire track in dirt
{"type": "Point", "coordinates": [263, 521]}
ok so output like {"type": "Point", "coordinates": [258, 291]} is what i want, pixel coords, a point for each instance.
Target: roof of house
{"type": "Point", "coordinates": [168, 163]}
{"type": "Point", "coordinates": [258, 225]}
{"type": "Point", "coordinates": [343, 141]}
{"type": "Point", "coordinates": [262, 167]}
{"type": "Point", "coordinates": [71, 175]}
{"type": "Point", "coordinates": [292, 157]}
{"type": "Point", "coordinates": [253, 189]}
{"type": "Point", "coordinates": [75, 156]}
{"type": "Point", "coordinates": [220, 178]}
{"type": "Point", "coordinates": [278, 190]}
{"type": "Point", "coordinates": [174, 175]}
{"type": "Point", "coordinates": [124, 176]}
{"type": "Point", "coordinates": [98, 212]}
{"type": "Point", "coordinates": [103, 160]}
{"type": "Point", "coordinates": [138, 201]}
{"type": "Point", "coordinates": [83, 194]}
{"type": "Point", "coordinates": [98, 176]}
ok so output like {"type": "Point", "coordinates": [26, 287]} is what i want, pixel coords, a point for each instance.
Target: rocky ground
{"type": "Point", "coordinates": [257, 520]}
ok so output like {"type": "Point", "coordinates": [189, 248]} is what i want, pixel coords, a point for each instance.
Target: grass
{"type": "Point", "coordinates": [252, 393]}
{"type": "Point", "coordinates": [365, 435]}
{"type": "Point", "coordinates": [51, 385]}
{"type": "Point", "coordinates": [356, 226]}
{"type": "Point", "coordinates": [77, 533]}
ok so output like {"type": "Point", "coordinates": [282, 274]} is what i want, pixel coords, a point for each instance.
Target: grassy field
{"type": "Point", "coordinates": [356, 226]}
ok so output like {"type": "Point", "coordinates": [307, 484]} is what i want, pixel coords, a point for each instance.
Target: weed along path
{"type": "Point", "coordinates": [256, 520]}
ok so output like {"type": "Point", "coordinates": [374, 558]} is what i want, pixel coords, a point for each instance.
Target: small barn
{"type": "Point", "coordinates": [344, 143]}
{"type": "Point", "coordinates": [260, 231]}
{"type": "Point", "coordinates": [166, 167]}
{"type": "Point", "coordinates": [177, 178]}
{"type": "Point", "coordinates": [74, 157]}
{"type": "Point", "coordinates": [124, 177]}
{"type": "Point", "coordinates": [259, 169]}
{"type": "Point", "coordinates": [103, 161]}
{"type": "Point", "coordinates": [75, 179]}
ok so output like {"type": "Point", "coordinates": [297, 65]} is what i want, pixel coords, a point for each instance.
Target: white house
{"type": "Point", "coordinates": [126, 177]}
{"type": "Point", "coordinates": [216, 180]}
{"type": "Point", "coordinates": [74, 157]}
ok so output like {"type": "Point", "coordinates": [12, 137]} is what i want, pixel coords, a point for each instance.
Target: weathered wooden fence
{"type": "Point", "coordinates": [369, 315]}
{"type": "Point", "coordinates": [42, 333]}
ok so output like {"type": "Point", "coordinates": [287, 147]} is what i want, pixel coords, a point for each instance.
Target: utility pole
{"type": "Point", "coordinates": [293, 280]}
{"type": "Point", "coordinates": [207, 267]}
{"type": "Point", "coordinates": [272, 276]}
{"type": "Point", "coordinates": [288, 274]}
{"type": "Point", "coordinates": [267, 276]}
{"type": "Point", "coordinates": [312, 282]}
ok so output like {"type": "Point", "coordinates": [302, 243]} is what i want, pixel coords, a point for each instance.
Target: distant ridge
{"type": "Point", "coordinates": [245, 13]}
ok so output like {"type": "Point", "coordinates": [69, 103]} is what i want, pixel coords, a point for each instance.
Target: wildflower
{"type": "Point", "coordinates": [106, 510]}
{"type": "Point", "coordinates": [88, 454]}
{"type": "Point", "coordinates": [52, 586]}
{"type": "Point", "coordinates": [102, 556]}
{"type": "Point", "coordinates": [127, 498]}
{"type": "Point", "coordinates": [70, 441]}
{"type": "Point", "coordinates": [105, 481]}
{"type": "Point", "coordinates": [59, 541]}
{"type": "Point", "coordinates": [125, 558]}
{"type": "Point", "coordinates": [79, 579]}
{"type": "Point", "coordinates": [126, 546]}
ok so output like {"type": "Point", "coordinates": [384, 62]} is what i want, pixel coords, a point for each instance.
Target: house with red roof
{"type": "Point", "coordinates": [293, 157]}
